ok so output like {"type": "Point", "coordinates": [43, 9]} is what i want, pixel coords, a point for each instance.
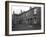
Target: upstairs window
{"type": "Point", "coordinates": [35, 11]}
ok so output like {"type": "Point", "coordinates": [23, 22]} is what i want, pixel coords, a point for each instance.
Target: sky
{"type": "Point", "coordinates": [17, 8]}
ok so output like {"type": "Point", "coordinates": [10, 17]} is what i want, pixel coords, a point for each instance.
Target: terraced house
{"type": "Point", "coordinates": [29, 19]}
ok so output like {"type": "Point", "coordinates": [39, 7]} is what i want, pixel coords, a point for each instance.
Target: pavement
{"type": "Point", "coordinates": [25, 27]}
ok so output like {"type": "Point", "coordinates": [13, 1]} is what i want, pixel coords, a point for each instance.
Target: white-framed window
{"type": "Point", "coordinates": [35, 11]}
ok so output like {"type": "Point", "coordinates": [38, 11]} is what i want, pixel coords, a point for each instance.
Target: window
{"type": "Point", "coordinates": [35, 20]}
{"type": "Point", "coordinates": [35, 11]}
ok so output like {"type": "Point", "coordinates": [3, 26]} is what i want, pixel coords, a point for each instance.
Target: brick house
{"type": "Point", "coordinates": [28, 17]}
{"type": "Point", "coordinates": [31, 18]}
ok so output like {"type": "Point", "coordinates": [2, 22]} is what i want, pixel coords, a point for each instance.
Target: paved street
{"type": "Point", "coordinates": [26, 27]}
